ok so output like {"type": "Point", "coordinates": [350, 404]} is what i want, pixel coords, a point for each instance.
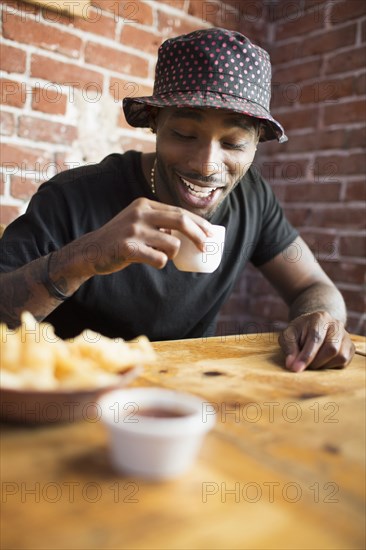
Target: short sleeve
{"type": "Point", "coordinates": [276, 232]}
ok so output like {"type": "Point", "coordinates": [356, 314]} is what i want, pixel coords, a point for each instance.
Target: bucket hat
{"type": "Point", "coordinates": [214, 68]}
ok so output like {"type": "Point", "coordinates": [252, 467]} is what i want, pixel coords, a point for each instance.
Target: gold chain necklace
{"type": "Point", "coordinates": [152, 178]}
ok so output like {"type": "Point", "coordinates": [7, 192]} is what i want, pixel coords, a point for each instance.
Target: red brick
{"type": "Point", "coordinates": [299, 217]}
{"type": "Point", "coordinates": [353, 273]}
{"type": "Point", "coordinates": [172, 24]}
{"type": "Point", "coordinates": [7, 123]}
{"type": "Point", "coordinates": [12, 60]}
{"type": "Point", "coordinates": [59, 16]}
{"type": "Point", "coordinates": [322, 245]}
{"type": "Point", "coordinates": [331, 167]}
{"type": "Point", "coordinates": [280, 54]}
{"type": "Point", "coordinates": [48, 98]}
{"type": "Point", "coordinates": [292, 171]}
{"type": "Point", "coordinates": [43, 36]}
{"type": "Point", "coordinates": [347, 61]}
{"type": "Point", "coordinates": [296, 73]}
{"type": "Point", "coordinates": [121, 62]}
{"type": "Point", "coordinates": [18, 157]}
{"type": "Point", "coordinates": [119, 89]}
{"type": "Point", "coordinates": [12, 93]}
{"type": "Point", "coordinates": [176, 4]}
{"type": "Point", "coordinates": [140, 39]}
{"type": "Point", "coordinates": [360, 84]}
{"type": "Point", "coordinates": [328, 41]}
{"type": "Point", "coordinates": [347, 112]}
{"type": "Point", "coordinates": [284, 10]}
{"type": "Point", "coordinates": [22, 188]}
{"type": "Point", "coordinates": [247, 17]}
{"type": "Point", "coordinates": [363, 31]}
{"type": "Point", "coordinates": [356, 191]}
{"type": "Point", "coordinates": [278, 187]}
{"type": "Point", "coordinates": [96, 23]}
{"type": "Point", "coordinates": [75, 13]}
{"type": "Point", "coordinates": [38, 129]}
{"type": "Point", "coordinates": [314, 5]}
{"type": "Point", "coordinates": [341, 138]}
{"type": "Point", "coordinates": [285, 94]}
{"type": "Point", "coordinates": [327, 91]}
{"type": "Point", "coordinates": [299, 118]}
{"type": "Point", "coordinates": [346, 10]}
{"type": "Point", "coordinates": [268, 308]}
{"type": "Point", "coordinates": [93, 21]}
{"type": "Point", "coordinates": [65, 73]}
{"type": "Point", "coordinates": [8, 213]}
{"type": "Point", "coordinates": [353, 246]}
{"type": "Point", "coordinates": [2, 183]}
{"type": "Point", "coordinates": [312, 192]}
{"type": "Point", "coordinates": [209, 12]}
{"type": "Point", "coordinates": [326, 139]}
{"type": "Point", "coordinates": [355, 137]}
{"type": "Point", "coordinates": [135, 11]}
{"type": "Point", "coordinates": [256, 284]}
{"type": "Point", "coordinates": [20, 8]}
{"type": "Point", "coordinates": [338, 216]}
{"type": "Point", "coordinates": [302, 24]}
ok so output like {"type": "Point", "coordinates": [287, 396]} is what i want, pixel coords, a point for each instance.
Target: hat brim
{"type": "Point", "coordinates": [137, 109]}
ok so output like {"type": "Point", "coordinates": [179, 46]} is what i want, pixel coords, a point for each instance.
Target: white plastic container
{"type": "Point", "coordinates": [149, 446]}
{"type": "Point", "coordinates": [189, 258]}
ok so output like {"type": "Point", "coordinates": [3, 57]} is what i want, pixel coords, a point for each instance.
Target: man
{"type": "Point", "coordinates": [94, 248]}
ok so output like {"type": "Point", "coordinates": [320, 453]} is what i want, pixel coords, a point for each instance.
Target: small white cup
{"type": "Point", "coordinates": [189, 258]}
{"type": "Point", "coordinates": [154, 433]}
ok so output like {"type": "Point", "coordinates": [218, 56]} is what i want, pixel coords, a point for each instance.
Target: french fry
{"type": "Point", "coordinates": [32, 357]}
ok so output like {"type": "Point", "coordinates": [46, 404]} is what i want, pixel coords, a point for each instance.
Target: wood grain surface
{"type": "Point", "coordinates": [284, 467]}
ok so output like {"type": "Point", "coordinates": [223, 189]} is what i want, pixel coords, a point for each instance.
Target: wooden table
{"type": "Point", "coordinates": [283, 468]}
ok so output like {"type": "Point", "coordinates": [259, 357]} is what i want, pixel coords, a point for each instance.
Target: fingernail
{"type": "Point", "coordinates": [289, 361]}
{"type": "Point", "coordinates": [299, 366]}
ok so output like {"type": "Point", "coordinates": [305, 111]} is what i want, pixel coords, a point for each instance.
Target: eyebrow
{"type": "Point", "coordinates": [197, 114]}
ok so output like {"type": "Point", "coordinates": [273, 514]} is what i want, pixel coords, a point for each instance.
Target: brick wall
{"type": "Point", "coordinates": [63, 79]}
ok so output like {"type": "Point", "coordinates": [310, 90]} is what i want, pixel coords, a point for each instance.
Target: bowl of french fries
{"type": "Point", "coordinates": [45, 379]}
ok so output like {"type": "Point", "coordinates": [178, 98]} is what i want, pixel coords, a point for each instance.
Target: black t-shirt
{"type": "Point", "coordinates": [163, 304]}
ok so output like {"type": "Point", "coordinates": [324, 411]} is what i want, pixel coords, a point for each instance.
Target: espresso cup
{"type": "Point", "coordinates": [190, 258]}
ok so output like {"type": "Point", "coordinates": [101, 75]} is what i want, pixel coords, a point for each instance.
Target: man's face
{"type": "Point", "coordinates": [201, 156]}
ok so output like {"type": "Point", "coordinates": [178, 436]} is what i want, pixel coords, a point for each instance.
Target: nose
{"type": "Point", "coordinates": [206, 159]}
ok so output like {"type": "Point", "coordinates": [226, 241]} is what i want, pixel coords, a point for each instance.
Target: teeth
{"type": "Point", "coordinates": [197, 190]}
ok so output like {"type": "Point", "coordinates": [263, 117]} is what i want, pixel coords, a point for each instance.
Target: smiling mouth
{"type": "Point", "coordinates": [197, 190]}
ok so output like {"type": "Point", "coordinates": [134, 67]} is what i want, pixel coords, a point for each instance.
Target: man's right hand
{"type": "Point", "coordinates": [141, 234]}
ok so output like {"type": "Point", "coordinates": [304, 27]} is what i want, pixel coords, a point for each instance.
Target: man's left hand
{"type": "Point", "coordinates": [314, 341]}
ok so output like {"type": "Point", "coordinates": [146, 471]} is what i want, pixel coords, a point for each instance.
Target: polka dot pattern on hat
{"type": "Point", "coordinates": [213, 68]}
{"type": "Point", "coordinates": [213, 62]}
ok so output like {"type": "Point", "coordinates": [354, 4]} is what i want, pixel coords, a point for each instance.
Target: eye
{"type": "Point", "coordinates": [182, 136]}
{"type": "Point", "coordinates": [235, 146]}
